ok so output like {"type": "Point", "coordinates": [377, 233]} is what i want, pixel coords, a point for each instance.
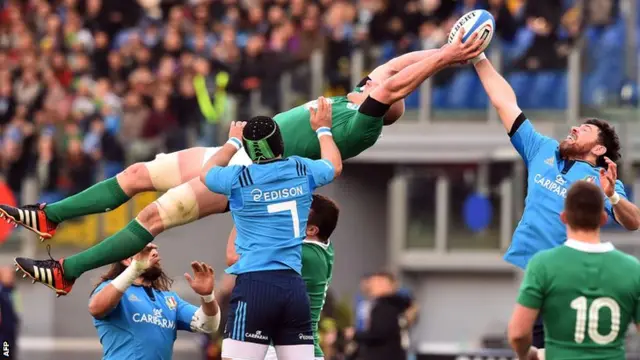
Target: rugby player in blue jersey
{"type": "Point", "coordinates": [137, 316]}
{"type": "Point", "coordinates": [270, 202]}
{"type": "Point", "coordinates": [589, 152]}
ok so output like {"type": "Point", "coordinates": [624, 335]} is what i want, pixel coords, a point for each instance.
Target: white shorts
{"type": "Point", "coordinates": [239, 350]}
{"type": "Point", "coordinates": [271, 354]}
{"type": "Point", "coordinates": [240, 158]}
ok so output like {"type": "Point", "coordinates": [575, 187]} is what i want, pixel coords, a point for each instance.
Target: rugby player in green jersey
{"type": "Point", "coordinates": [317, 262]}
{"type": "Point", "coordinates": [587, 291]}
{"type": "Point", "coordinates": [357, 121]}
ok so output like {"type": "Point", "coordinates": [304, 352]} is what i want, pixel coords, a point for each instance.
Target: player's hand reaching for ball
{"type": "Point", "coordinates": [146, 258]}
{"type": "Point", "coordinates": [203, 280]}
{"type": "Point", "coordinates": [320, 114]}
{"type": "Point", "coordinates": [236, 128]}
{"type": "Point", "coordinates": [460, 52]}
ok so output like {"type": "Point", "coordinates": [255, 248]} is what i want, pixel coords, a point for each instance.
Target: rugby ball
{"type": "Point", "coordinates": [476, 21]}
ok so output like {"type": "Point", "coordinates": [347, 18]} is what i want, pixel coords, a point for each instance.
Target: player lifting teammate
{"type": "Point", "coordinates": [317, 262]}
{"type": "Point", "coordinates": [270, 202]}
{"type": "Point", "coordinates": [358, 118]}
{"type": "Point", "coordinates": [587, 292]}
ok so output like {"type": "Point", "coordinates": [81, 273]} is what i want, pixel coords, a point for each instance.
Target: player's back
{"type": "Point", "coordinates": [301, 140]}
{"type": "Point", "coordinates": [591, 297]}
{"type": "Point", "coordinates": [270, 206]}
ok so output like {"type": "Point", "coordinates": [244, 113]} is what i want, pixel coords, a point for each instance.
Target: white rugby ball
{"type": "Point", "coordinates": [476, 21]}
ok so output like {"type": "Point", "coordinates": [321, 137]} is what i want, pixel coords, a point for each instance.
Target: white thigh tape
{"type": "Point", "coordinates": [164, 171]}
{"type": "Point", "coordinates": [178, 206]}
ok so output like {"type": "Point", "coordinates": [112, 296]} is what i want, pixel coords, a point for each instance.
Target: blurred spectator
{"type": "Point", "coordinates": [542, 19]}
{"type": "Point", "coordinates": [78, 168]}
{"type": "Point", "coordinates": [161, 124]}
{"type": "Point", "coordinates": [101, 144]}
{"type": "Point", "coordinates": [7, 102]}
{"type": "Point", "coordinates": [48, 168]}
{"type": "Point", "coordinates": [385, 334]}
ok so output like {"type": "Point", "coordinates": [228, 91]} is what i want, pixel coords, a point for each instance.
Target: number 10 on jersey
{"type": "Point", "coordinates": [587, 317]}
{"type": "Point", "coordinates": [290, 206]}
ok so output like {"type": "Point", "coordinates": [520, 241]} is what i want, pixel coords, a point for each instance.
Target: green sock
{"type": "Point", "coordinates": [103, 196]}
{"type": "Point", "coordinates": [121, 245]}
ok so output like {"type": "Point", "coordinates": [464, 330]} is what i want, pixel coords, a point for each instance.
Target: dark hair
{"type": "Point", "coordinates": [584, 206]}
{"type": "Point", "coordinates": [324, 214]}
{"type": "Point", "coordinates": [608, 138]}
{"type": "Point", "coordinates": [162, 283]}
{"type": "Point", "coordinates": [262, 139]}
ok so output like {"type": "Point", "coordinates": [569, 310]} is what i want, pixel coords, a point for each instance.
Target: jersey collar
{"type": "Point", "coordinates": [315, 242]}
{"type": "Point", "coordinates": [588, 247]}
{"type": "Point", "coordinates": [568, 164]}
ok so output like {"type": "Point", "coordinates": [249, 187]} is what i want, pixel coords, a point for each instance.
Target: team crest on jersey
{"type": "Point", "coordinates": [171, 303]}
{"type": "Point", "coordinates": [549, 161]}
{"type": "Point", "coordinates": [590, 178]}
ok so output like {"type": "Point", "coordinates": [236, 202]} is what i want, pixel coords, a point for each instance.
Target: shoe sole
{"type": "Point", "coordinates": [26, 273]}
{"type": "Point", "coordinates": [6, 215]}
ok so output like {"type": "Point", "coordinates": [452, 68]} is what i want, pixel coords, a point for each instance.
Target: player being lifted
{"type": "Point", "coordinates": [270, 203]}
{"type": "Point", "coordinates": [587, 292]}
{"type": "Point", "coordinates": [358, 118]}
{"type": "Point", "coordinates": [589, 152]}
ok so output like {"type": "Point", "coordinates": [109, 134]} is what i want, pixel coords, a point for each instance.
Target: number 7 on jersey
{"type": "Point", "coordinates": [290, 206]}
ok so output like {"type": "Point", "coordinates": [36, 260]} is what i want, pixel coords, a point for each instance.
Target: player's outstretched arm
{"type": "Point", "coordinates": [397, 64]}
{"type": "Point", "coordinates": [230, 148]}
{"type": "Point", "coordinates": [520, 331]}
{"type": "Point", "coordinates": [528, 305]}
{"type": "Point", "coordinates": [501, 94]}
{"type": "Point", "coordinates": [409, 79]}
{"type": "Point", "coordinates": [107, 298]}
{"type": "Point", "coordinates": [321, 123]}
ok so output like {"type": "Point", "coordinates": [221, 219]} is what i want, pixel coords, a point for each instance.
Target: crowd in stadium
{"type": "Point", "coordinates": [88, 86]}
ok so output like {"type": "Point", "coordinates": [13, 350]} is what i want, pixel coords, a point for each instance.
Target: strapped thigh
{"type": "Point", "coordinates": [178, 206]}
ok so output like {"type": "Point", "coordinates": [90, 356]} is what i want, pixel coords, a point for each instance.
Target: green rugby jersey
{"type": "Point", "coordinates": [588, 294]}
{"type": "Point", "coordinates": [317, 264]}
{"type": "Point", "coordinates": [352, 131]}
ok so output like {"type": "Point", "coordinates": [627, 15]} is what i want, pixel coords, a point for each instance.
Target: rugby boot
{"type": "Point", "coordinates": [48, 272]}
{"type": "Point", "coordinates": [31, 217]}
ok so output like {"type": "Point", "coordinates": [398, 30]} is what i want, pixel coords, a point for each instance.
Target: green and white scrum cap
{"type": "Point", "coordinates": [262, 139]}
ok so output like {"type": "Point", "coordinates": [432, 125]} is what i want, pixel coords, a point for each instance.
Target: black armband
{"type": "Point", "coordinates": [516, 124]}
{"type": "Point", "coordinates": [363, 82]}
{"type": "Point", "coordinates": [374, 108]}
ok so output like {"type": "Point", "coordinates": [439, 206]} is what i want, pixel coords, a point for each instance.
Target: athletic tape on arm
{"type": "Point", "coordinates": [202, 323]}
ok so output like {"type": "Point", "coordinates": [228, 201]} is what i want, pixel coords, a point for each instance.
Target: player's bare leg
{"type": "Point", "coordinates": [180, 205]}
{"type": "Point", "coordinates": [161, 174]}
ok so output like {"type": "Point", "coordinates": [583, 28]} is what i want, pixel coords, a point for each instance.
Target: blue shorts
{"type": "Point", "coordinates": [538, 333]}
{"type": "Point", "coordinates": [270, 307]}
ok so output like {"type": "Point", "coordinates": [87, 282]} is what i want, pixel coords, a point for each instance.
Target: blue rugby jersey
{"type": "Point", "coordinates": [549, 178]}
{"type": "Point", "coordinates": [143, 327]}
{"type": "Point", "coordinates": [270, 206]}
